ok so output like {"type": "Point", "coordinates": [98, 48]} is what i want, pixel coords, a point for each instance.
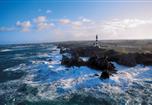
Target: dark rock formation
{"type": "Point", "coordinates": [145, 59]}
{"type": "Point", "coordinates": [112, 55]}
{"type": "Point", "coordinates": [73, 61]}
{"type": "Point", "coordinates": [127, 60]}
{"type": "Point", "coordinates": [94, 62]}
{"type": "Point", "coordinates": [96, 74]}
{"type": "Point", "coordinates": [100, 63]}
{"type": "Point", "coordinates": [105, 75]}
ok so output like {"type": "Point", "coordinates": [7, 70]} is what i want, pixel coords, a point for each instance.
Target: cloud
{"type": "Point", "coordinates": [42, 23]}
{"type": "Point", "coordinates": [117, 26]}
{"type": "Point", "coordinates": [84, 28]}
{"type": "Point", "coordinates": [40, 19]}
{"type": "Point", "coordinates": [25, 25]}
{"type": "Point", "coordinates": [7, 29]}
{"type": "Point", "coordinates": [83, 22]}
{"type": "Point", "coordinates": [86, 20]}
{"type": "Point", "coordinates": [64, 21]}
{"type": "Point", "coordinates": [79, 23]}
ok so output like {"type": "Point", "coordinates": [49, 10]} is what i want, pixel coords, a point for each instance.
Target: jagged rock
{"type": "Point", "coordinates": [92, 62]}
{"type": "Point", "coordinates": [95, 62]}
{"type": "Point", "coordinates": [62, 50]}
{"type": "Point", "coordinates": [127, 60]}
{"type": "Point", "coordinates": [105, 75]}
{"type": "Point", "coordinates": [112, 55]}
{"type": "Point", "coordinates": [65, 60]}
{"type": "Point", "coordinates": [119, 57]}
{"type": "Point", "coordinates": [72, 61]}
{"type": "Point", "coordinates": [100, 63]}
{"type": "Point", "coordinates": [65, 50]}
{"type": "Point", "coordinates": [145, 59]}
{"type": "Point", "coordinates": [96, 74]}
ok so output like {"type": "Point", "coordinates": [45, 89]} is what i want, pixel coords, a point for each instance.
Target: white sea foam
{"type": "Point", "coordinates": [16, 68]}
{"type": "Point", "coordinates": [54, 80]}
{"type": "Point", "coordinates": [41, 55]}
{"type": "Point", "coordinates": [75, 79]}
{"type": "Point", "coordinates": [84, 58]}
{"type": "Point", "coordinates": [6, 50]}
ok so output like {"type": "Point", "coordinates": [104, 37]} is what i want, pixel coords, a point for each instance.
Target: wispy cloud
{"type": "Point", "coordinates": [7, 29]}
{"type": "Point", "coordinates": [75, 23]}
{"type": "Point", "coordinates": [84, 28]}
{"type": "Point", "coordinates": [65, 21]}
{"type": "Point", "coordinates": [42, 23]}
{"type": "Point", "coordinates": [25, 25]}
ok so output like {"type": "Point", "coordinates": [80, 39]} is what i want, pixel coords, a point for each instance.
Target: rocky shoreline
{"type": "Point", "coordinates": [100, 58]}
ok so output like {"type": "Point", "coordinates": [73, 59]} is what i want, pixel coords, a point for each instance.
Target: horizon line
{"type": "Point", "coordinates": [11, 43]}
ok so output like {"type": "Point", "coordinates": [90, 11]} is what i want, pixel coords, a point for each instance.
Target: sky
{"type": "Point", "coordinates": [35, 21]}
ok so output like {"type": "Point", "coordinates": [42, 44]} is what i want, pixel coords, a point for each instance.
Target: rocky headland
{"type": "Point", "coordinates": [101, 58]}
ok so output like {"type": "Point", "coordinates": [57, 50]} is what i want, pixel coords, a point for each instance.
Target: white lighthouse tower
{"type": "Point", "coordinates": [96, 42]}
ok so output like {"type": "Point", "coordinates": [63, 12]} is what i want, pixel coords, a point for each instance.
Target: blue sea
{"type": "Point", "coordinates": [32, 74]}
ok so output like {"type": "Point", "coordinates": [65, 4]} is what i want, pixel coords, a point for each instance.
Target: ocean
{"type": "Point", "coordinates": [32, 74]}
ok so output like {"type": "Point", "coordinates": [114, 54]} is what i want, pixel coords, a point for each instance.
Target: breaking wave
{"type": "Point", "coordinates": [44, 81]}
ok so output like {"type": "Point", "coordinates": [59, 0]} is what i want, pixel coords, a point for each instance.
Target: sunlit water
{"type": "Point", "coordinates": [32, 75]}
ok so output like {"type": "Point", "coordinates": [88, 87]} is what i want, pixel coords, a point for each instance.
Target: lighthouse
{"type": "Point", "coordinates": [96, 40]}
{"type": "Point", "coordinates": [96, 43]}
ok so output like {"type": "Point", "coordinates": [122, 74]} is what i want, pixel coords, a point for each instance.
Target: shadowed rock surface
{"type": "Point", "coordinates": [105, 75]}
{"type": "Point", "coordinates": [126, 58]}
{"type": "Point", "coordinates": [99, 63]}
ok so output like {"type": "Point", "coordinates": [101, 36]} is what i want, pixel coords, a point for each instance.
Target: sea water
{"type": "Point", "coordinates": [32, 74]}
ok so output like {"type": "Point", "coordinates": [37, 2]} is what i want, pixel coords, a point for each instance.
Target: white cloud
{"type": "Point", "coordinates": [25, 25]}
{"type": "Point", "coordinates": [82, 23]}
{"type": "Point", "coordinates": [42, 23]}
{"type": "Point", "coordinates": [83, 19]}
{"type": "Point", "coordinates": [84, 28]}
{"type": "Point", "coordinates": [77, 23]}
{"type": "Point", "coordinates": [6, 29]}
{"type": "Point", "coordinates": [64, 21]}
{"type": "Point", "coordinates": [40, 19]}
{"type": "Point", "coordinates": [119, 26]}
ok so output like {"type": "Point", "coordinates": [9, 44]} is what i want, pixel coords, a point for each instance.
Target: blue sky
{"type": "Point", "coordinates": [34, 21]}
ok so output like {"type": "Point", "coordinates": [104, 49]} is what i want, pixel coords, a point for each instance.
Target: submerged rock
{"type": "Point", "coordinates": [49, 59]}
